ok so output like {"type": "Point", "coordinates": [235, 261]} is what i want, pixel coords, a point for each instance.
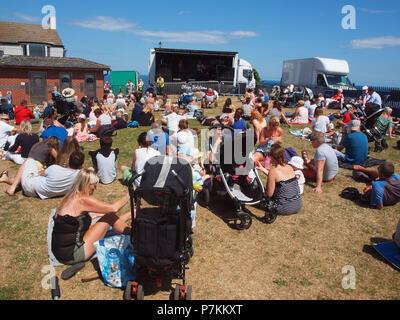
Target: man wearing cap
{"type": "Point", "coordinates": [355, 143]}
{"type": "Point", "coordinates": [364, 97]}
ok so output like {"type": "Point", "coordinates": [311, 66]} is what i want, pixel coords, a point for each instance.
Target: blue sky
{"type": "Point", "coordinates": [120, 33]}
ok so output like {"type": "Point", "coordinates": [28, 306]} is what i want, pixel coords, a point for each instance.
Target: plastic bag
{"type": "Point", "coordinates": [116, 260]}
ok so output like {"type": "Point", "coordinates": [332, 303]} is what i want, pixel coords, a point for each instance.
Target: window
{"type": "Point", "coordinates": [321, 80]}
{"type": "Point", "coordinates": [338, 80]}
{"type": "Point", "coordinates": [65, 81]}
{"type": "Point", "coordinates": [37, 50]}
{"type": "Point", "coordinates": [248, 74]}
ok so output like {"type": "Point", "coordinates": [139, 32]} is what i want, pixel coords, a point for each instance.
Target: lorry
{"type": "Point", "coordinates": [321, 75]}
{"type": "Point", "coordinates": [179, 65]}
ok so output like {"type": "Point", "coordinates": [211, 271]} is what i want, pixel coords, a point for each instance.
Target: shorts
{"type": "Point", "coordinates": [264, 150]}
{"type": "Point", "coordinates": [78, 255]}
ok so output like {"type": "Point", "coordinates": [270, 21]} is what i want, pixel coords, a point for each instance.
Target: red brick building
{"type": "Point", "coordinates": [32, 62]}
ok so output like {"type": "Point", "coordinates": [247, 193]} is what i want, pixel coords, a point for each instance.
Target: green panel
{"type": "Point", "coordinates": [120, 78]}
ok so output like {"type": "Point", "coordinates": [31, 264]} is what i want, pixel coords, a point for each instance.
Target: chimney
{"type": "Point", "coordinates": [53, 24]}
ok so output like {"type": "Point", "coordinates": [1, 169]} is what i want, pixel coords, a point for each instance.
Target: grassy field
{"type": "Point", "coordinates": [297, 257]}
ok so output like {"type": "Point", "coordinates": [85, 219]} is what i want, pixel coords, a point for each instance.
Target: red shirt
{"type": "Point", "coordinates": [23, 113]}
{"type": "Point", "coordinates": [338, 97]}
{"type": "Point", "coordinates": [346, 117]}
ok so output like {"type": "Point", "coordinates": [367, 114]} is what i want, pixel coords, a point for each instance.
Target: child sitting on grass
{"type": "Point", "coordinates": [105, 160]}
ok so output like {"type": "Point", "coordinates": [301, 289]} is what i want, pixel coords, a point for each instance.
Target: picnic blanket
{"type": "Point", "coordinates": [370, 162]}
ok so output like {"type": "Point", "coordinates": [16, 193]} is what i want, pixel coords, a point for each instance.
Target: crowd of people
{"type": "Point", "coordinates": [51, 160]}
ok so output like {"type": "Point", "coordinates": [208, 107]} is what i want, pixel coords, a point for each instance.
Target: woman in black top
{"type": "Point", "coordinates": [23, 144]}
{"type": "Point", "coordinates": [73, 235]}
{"type": "Point", "coordinates": [147, 117]}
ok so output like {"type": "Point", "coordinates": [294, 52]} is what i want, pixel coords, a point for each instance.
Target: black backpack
{"type": "Point", "coordinates": [105, 130]}
{"type": "Point", "coordinates": [350, 193]}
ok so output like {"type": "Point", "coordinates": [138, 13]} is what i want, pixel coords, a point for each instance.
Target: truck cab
{"type": "Point", "coordinates": [321, 75]}
{"type": "Point", "coordinates": [245, 74]}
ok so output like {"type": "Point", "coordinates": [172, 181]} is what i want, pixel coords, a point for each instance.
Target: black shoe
{"type": "Point", "coordinates": [72, 270]}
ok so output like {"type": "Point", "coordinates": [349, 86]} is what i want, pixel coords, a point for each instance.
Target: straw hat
{"type": "Point", "coordinates": [68, 92]}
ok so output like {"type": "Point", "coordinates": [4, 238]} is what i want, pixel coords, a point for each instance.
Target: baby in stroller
{"type": "Point", "coordinates": [162, 228]}
{"type": "Point", "coordinates": [234, 173]}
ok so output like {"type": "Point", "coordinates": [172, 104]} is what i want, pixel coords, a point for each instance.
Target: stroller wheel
{"type": "Point", "coordinates": [188, 295]}
{"type": "Point", "coordinates": [204, 197]}
{"type": "Point", "coordinates": [139, 292]}
{"type": "Point", "coordinates": [128, 291]}
{"type": "Point", "coordinates": [378, 147]}
{"type": "Point", "coordinates": [270, 217]}
{"type": "Point", "coordinates": [177, 292]}
{"type": "Point", "coordinates": [244, 222]}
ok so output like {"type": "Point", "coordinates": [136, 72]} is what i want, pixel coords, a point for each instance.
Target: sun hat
{"type": "Point", "coordinates": [354, 125]}
{"type": "Point", "coordinates": [296, 162]}
{"type": "Point", "coordinates": [81, 116]}
{"type": "Point", "coordinates": [365, 88]}
{"type": "Point", "coordinates": [68, 92]}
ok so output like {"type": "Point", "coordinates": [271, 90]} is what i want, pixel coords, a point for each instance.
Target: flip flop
{"type": "Point", "coordinates": [72, 270]}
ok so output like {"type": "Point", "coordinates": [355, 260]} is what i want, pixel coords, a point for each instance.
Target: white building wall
{"type": "Point", "coordinates": [14, 50]}
{"type": "Point", "coordinates": [56, 52]}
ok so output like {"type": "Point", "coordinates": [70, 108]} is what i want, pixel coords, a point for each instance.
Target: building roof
{"type": "Point", "coordinates": [15, 32]}
{"type": "Point", "coordinates": [50, 62]}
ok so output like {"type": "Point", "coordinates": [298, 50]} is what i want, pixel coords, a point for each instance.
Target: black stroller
{"type": "Point", "coordinates": [161, 230]}
{"type": "Point", "coordinates": [368, 118]}
{"type": "Point", "coordinates": [234, 175]}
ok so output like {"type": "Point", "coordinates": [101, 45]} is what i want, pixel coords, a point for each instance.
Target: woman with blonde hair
{"type": "Point", "coordinates": [270, 135]}
{"type": "Point", "coordinates": [147, 116]}
{"type": "Point", "coordinates": [73, 235]}
{"type": "Point", "coordinates": [321, 122]}
{"type": "Point", "coordinates": [258, 122]}
{"type": "Point", "coordinates": [23, 144]}
{"type": "Point", "coordinates": [300, 115]}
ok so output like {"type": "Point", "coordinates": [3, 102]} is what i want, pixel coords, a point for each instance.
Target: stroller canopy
{"type": "Point", "coordinates": [158, 173]}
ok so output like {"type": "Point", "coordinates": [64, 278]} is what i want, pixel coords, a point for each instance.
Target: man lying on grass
{"type": "Point", "coordinates": [386, 190]}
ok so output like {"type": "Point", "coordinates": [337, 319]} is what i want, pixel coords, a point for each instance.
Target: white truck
{"type": "Point", "coordinates": [180, 65]}
{"type": "Point", "coordinates": [318, 74]}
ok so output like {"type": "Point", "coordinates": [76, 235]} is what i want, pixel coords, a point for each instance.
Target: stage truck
{"type": "Point", "coordinates": [179, 66]}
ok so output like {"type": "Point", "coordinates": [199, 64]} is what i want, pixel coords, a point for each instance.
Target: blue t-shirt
{"type": "Point", "coordinates": [356, 144]}
{"type": "Point", "coordinates": [192, 108]}
{"type": "Point", "coordinates": [239, 125]}
{"type": "Point", "coordinates": [385, 192]}
{"type": "Point", "coordinates": [159, 141]}
{"type": "Point", "coordinates": [54, 131]}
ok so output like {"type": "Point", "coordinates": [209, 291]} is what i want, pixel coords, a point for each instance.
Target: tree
{"type": "Point", "coordinates": [256, 76]}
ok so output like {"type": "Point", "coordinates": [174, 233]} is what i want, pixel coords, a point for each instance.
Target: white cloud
{"type": "Point", "coordinates": [373, 11]}
{"type": "Point", "coordinates": [375, 43]}
{"type": "Point", "coordinates": [26, 17]}
{"type": "Point", "coordinates": [105, 24]}
{"type": "Point", "coordinates": [182, 12]}
{"type": "Point", "coordinates": [118, 24]}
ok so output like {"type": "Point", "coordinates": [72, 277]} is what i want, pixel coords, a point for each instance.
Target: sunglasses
{"type": "Point", "coordinates": [5, 119]}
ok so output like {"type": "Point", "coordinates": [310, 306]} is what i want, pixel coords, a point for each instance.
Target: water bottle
{"type": "Point", "coordinates": [114, 273]}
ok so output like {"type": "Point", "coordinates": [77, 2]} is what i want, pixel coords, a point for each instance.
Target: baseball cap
{"type": "Point", "coordinates": [365, 88]}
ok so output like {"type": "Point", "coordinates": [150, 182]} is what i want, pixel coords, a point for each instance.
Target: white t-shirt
{"type": "Point", "coordinates": [320, 124]}
{"type": "Point", "coordinates": [56, 182]}
{"type": "Point", "coordinates": [311, 110]}
{"type": "Point", "coordinates": [142, 156]}
{"type": "Point", "coordinates": [5, 130]}
{"type": "Point", "coordinates": [173, 121]}
{"type": "Point", "coordinates": [106, 167]}
{"type": "Point", "coordinates": [104, 119]}
{"type": "Point", "coordinates": [120, 103]}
